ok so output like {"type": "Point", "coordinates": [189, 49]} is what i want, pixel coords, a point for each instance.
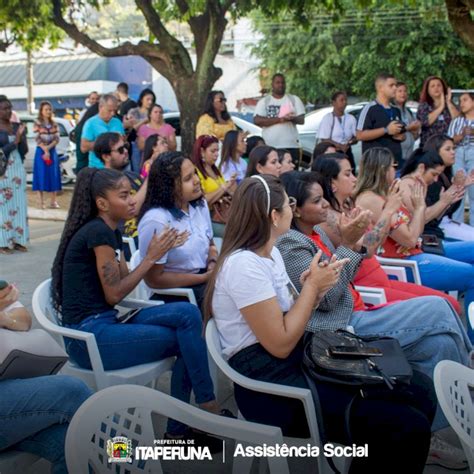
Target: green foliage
{"type": "Point", "coordinates": [28, 23]}
{"type": "Point", "coordinates": [347, 54]}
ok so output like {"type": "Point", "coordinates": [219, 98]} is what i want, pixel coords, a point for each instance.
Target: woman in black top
{"type": "Point", "coordinates": [90, 277]}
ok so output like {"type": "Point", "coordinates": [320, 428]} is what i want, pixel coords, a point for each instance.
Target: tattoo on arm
{"type": "Point", "coordinates": [376, 236]}
{"type": "Point", "coordinates": [111, 273]}
{"type": "Point", "coordinates": [332, 222]}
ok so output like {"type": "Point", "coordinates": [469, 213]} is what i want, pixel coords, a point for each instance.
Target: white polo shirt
{"type": "Point", "coordinates": [193, 254]}
{"type": "Point", "coordinates": [339, 131]}
{"type": "Point", "coordinates": [244, 279]}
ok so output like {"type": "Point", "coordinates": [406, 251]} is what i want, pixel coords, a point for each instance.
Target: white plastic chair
{"type": "Point", "coordinates": [302, 394]}
{"type": "Point", "coordinates": [470, 315]}
{"type": "Point", "coordinates": [404, 263]}
{"type": "Point", "coordinates": [399, 273]}
{"type": "Point", "coordinates": [373, 296]}
{"type": "Point", "coordinates": [218, 242]}
{"type": "Point", "coordinates": [144, 292]}
{"type": "Point", "coordinates": [97, 378]}
{"type": "Point", "coordinates": [126, 410]}
{"type": "Point", "coordinates": [131, 244]}
{"type": "Point", "coordinates": [454, 384]}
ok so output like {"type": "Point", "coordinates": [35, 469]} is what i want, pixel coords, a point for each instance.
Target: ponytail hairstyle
{"type": "Point", "coordinates": [204, 141]}
{"type": "Point", "coordinates": [430, 159]}
{"type": "Point", "coordinates": [373, 168]}
{"type": "Point", "coordinates": [258, 156]}
{"type": "Point", "coordinates": [328, 166]}
{"type": "Point", "coordinates": [91, 184]}
{"type": "Point", "coordinates": [249, 225]}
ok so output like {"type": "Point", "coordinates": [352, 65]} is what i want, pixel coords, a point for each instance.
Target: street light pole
{"type": "Point", "coordinates": [30, 102]}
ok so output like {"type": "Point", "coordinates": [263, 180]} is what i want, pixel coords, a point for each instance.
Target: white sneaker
{"type": "Point", "coordinates": [446, 455]}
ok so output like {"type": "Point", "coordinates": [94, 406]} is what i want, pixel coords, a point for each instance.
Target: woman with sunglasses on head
{"type": "Point", "coordinates": [439, 335]}
{"type": "Point", "coordinates": [215, 120]}
{"type": "Point", "coordinates": [232, 164]}
{"type": "Point", "coordinates": [261, 322]}
{"type": "Point", "coordinates": [217, 190]}
{"type": "Point", "coordinates": [339, 185]}
{"type": "Point", "coordinates": [90, 278]}
{"type": "Point", "coordinates": [156, 125]}
{"type": "Point", "coordinates": [445, 190]}
{"type": "Point", "coordinates": [264, 160]}
{"type": "Point", "coordinates": [175, 199]}
{"type": "Point", "coordinates": [155, 145]}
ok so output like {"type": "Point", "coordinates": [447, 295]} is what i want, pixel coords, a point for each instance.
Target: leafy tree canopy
{"type": "Point", "coordinates": [324, 56]}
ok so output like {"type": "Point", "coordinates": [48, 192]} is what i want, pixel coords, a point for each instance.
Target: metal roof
{"type": "Point", "coordinates": [54, 70]}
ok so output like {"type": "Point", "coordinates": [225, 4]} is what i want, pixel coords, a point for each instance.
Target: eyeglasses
{"type": "Point", "coordinates": [222, 100]}
{"type": "Point", "coordinates": [292, 202]}
{"type": "Point", "coordinates": [120, 149]}
{"type": "Point", "coordinates": [394, 165]}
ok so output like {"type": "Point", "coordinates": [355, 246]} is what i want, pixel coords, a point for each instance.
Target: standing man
{"type": "Point", "coordinates": [278, 113]}
{"type": "Point", "coordinates": [125, 102]}
{"type": "Point", "coordinates": [104, 121]}
{"type": "Point", "coordinates": [379, 122]}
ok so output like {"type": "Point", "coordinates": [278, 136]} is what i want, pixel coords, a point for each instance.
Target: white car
{"type": "Point", "coordinates": [172, 118]}
{"type": "Point", "coordinates": [65, 148]}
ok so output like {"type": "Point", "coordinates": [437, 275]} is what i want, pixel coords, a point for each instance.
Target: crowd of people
{"type": "Point", "coordinates": [295, 245]}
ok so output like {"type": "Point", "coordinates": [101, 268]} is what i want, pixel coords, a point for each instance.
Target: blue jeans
{"type": "Point", "coordinates": [465, 161]}
{"type": "Point", "coordinates": [455, 271]}
{"type": "Point", "coordinates": [428, 330]}
{"type": "Point", "coordinates": [155, 333]}
{"type": "Point", "coordinates": [35, 414]}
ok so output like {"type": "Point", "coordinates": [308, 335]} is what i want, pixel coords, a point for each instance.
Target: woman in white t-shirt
{"type": "Point", "coordinates": [175, 199]}
{"type": "Point", "coordinates": [261, 322]}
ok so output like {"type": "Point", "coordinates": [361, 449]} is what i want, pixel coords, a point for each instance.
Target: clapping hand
{"type": "Point", "coordinates": [162, 243]}
{"type": "Point", "coordinates": [394, 198]}
{"type": "Point", "coordinates": [354, 226]}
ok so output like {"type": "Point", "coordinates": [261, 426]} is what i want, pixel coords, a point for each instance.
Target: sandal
{"type": "Point", "coordinates": [55, 205]}
{"type": "Point", "coordinates": [20, 248]}
{"type": "Point", "coordinates": [6, 250]}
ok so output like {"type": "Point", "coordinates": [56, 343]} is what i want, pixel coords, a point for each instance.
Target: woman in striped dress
{"type": "Point", "coordinates": [14, 233]}
{"type": "Point", "coordinates": [46, 172]}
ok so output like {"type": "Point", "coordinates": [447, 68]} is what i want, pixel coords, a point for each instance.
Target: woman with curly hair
{"type": "Point", "coordinates": [216, 119]}
{"type": "Point", "coordinates": [175, 200]}
{"type": "Point", "coordinates": [90, 277]}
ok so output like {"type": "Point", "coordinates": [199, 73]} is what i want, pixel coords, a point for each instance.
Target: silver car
{"type": "Point", "coordinates": [65, 148]}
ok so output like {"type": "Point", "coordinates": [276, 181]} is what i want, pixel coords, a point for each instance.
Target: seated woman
{"type": "Point", "coordinates": [443, 273]}
{"type": "Point", "coordinates": [286, 161]}
{"type": "Point", "coordinates": [427, 328]}
{"type": "Point", "coordinates": [155, 145]}
{"type": "Point", "coordinates": [264, 160]}
{"type": "Point", "coordinates": [446, 225]}
{"type": "Point", "coordinates": [232, 164]}
{"type": "Point", "coordinates": [217, 190]}
{"type": "Point", "coordinates": [175, 201]}
{"type": "Point", "coordinates": [90, 277]}
{"type": "Point", "coordinates": [262, 331]}
{"type": "Point", "coordinates": [253, 142]}
{"type": "Point", "coordinates": [339, 183]}
{"type": "Point", "coordinates": [35, 412]}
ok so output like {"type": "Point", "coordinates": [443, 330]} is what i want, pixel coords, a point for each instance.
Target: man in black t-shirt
{"type": "Point", "coordinates": [112, 151]}
{"type": "Point", "coordinates": [125, 102]}
{"type": "Point", "coordinates": [379, 123]}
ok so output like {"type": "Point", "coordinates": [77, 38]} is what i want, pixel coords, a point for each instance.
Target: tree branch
{"type": "Point", "coordinates": [459, 16]}
{"type": "Point", "coordinates": [183, 6]}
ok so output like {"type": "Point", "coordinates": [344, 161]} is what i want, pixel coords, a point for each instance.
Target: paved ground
{"type": "Point", "coordinates": [29, 269]}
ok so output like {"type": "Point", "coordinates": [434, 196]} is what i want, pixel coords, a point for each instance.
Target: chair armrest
{"type": "Point", "coordinates": [401, 262]}
{"type": "Point", "coordinates": [371, 295]}
{"type": "Point", "coordinates": [134, 303]}
{"type": "Point", "coordinates": [187, 292]}
{"type": "Point", "coordinates": [398, 272]}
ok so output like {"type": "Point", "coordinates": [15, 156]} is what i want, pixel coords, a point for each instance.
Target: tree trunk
{"type": "Point", "coordinates": [30, 100]}
{"type": "Point", "coordinates": [461, 20]}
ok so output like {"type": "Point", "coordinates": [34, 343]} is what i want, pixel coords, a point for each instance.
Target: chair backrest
{"type": "Point", "coordinates": [470, 315]}
{"type": "Point", "coordinates": [142, 291]}
{"type": "Point", "coordinates": [454, 384]}
{"type": "Point", "coordinates": [126, 411]}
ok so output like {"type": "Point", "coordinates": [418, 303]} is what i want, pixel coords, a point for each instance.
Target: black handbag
{"type": "Point", "coordinates": [432, 244]}
{"type": "Point", "coordinates": [389, 368]}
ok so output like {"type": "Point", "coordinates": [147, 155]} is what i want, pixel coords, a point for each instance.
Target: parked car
{"type": "Point", "coordinates": [65, 148]}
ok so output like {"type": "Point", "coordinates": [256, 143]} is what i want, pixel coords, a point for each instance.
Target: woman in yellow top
{"type": "Point", "coordinates": [217, 190]}
{"type": "Point", "coordinates": [215, 121]}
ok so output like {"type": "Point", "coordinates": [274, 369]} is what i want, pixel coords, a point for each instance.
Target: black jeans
{"type": "Point", "coordinates": [398, 431]}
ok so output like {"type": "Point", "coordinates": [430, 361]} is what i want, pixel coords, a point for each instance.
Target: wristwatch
{"type": "Point", "coordinates": [385, 130]}
{"type": "Point", "coordinates": [362, 250]}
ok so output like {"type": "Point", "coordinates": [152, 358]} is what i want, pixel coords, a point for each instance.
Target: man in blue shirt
{"type": "Point", "coordinates": [105, 121]}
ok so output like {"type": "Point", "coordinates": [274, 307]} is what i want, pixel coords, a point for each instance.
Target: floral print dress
{"type": "Point", "coordinates": [13, 202]}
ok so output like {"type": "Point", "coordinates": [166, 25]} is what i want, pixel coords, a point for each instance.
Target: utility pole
{"type": "Point", "coordinates": [30, 101]}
